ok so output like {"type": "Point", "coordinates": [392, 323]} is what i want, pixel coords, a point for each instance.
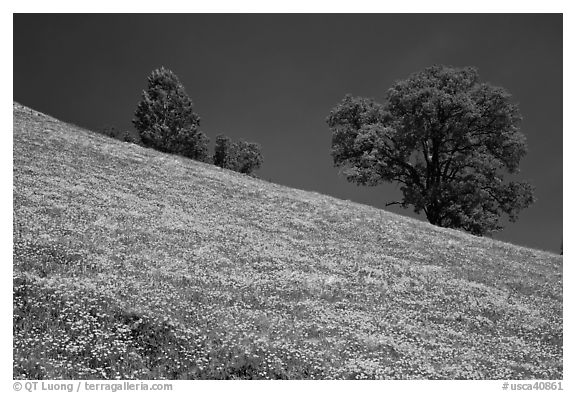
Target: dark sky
{"type": "Point", "coordinates": [273, 79]}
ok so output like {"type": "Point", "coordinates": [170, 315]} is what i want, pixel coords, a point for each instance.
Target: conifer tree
{"type": "Point", "coordinates": [166, 120]}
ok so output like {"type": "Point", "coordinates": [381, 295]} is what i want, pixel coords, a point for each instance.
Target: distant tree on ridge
{"type": "Point", "coordinates": [244, 157]}
{"type": "Point", "coordinates": [248, 157]}
{"type": "Point", "coordinates": [223, 152]}
{"type": "Point", "coordinates": [166, 120]}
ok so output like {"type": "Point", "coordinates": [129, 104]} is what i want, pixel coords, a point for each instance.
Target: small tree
{"type": "Point", "coordinates": [165, 118]}
{"type": "Point", "coordinates": [447, 138]}
{"type": "Point", "coordinates": [248, 157]}
{"type": "Point", "coordinates": [223, 152]}
{"type": "Point", "coordinates": [241, 156]}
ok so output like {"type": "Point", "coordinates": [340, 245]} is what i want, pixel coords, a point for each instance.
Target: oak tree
{"type": "Point", "coordinates": [449, 140]}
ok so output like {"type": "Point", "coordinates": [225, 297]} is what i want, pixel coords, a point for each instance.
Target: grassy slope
{"type": "Point", "coordinates": [136, 264]}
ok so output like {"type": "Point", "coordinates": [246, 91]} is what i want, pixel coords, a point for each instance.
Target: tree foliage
{"type": "Point", "coordinates": [448, 139]}
{"type": "Point", "coordinates": [166, 120]}
{"type": "Point", "coordinates": [244, 157]}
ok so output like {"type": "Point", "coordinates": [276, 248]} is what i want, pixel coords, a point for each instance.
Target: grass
{"type": "Point", "coordinates": [130, 263]}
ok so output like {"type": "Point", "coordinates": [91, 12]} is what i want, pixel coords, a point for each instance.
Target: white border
{"type": "Point", "coordinates": [299, 6]}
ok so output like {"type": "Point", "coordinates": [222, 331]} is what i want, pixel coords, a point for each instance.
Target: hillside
{"type": "Point", "coordinates": [130, 263]}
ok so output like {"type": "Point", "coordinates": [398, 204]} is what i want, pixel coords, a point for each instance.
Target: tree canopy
{"type": "Point", "coordinates": [448, 139]}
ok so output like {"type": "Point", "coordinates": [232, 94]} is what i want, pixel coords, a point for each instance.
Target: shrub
{"type": "Point", "coordinates": [244, 157]}
{"type": "Point", "coordinates": [249, 157]}
{"type": "Point", "coordinates": [121, 135]}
